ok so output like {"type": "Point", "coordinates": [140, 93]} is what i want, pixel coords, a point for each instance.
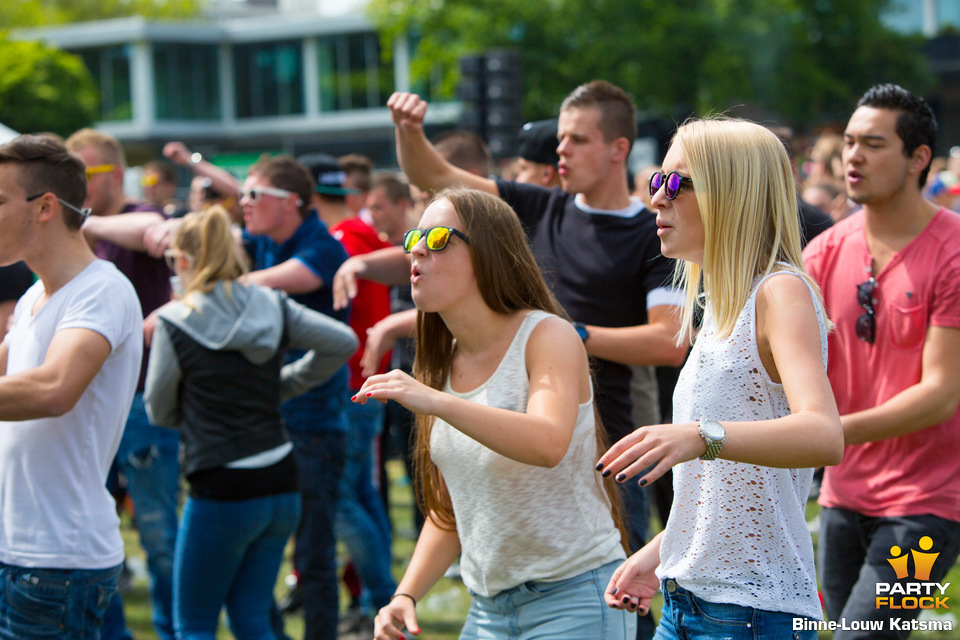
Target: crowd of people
{"type": "Point", "coordinates": [555, 346]}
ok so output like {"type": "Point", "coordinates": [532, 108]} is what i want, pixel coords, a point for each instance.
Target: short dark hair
{"type": "Point", "coordinates": [359, 167]}
{"type": "Point", "coordinates": [618, 117]}
{"type": "Point", "coordinates": [162, 168]}
{"type": "Point", "coordinates": [465, 150]}
{"type": "Point", "coordinates": [916, 124]}
{"type": "Point", "coordinates": [286, 172]}
{"type": "Point", "coordinates": [395, 188]}
{"type": "Point", "coordinates": [47, 167]}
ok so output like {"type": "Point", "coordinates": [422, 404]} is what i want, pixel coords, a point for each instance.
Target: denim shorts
{"type": "Point", "coordinates": [67, 604]}
{"type": "Point", "coordinates": [684, 616]}
{"type": "Point", "coordinates": [571, 609]}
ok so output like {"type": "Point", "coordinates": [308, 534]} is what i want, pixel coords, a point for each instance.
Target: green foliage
{"type": "Point", "coordinates": [35, 13]}
{"type": "Point", "coordinates": [805, 60]}
{"type": "Point", "coordinates": [44, 89]}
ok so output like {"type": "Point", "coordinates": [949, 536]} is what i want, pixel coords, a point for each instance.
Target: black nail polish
{"type": "Point", "coordinates": [643, 482]}
{"type": "Point", "coordinates": [626, 599]}
{"type": "Point", "coordinates": [606, 474]}
{"type": "Point", "coordinates": [621, 477]}
{"type": "Point", "coordinates": [599, 466]}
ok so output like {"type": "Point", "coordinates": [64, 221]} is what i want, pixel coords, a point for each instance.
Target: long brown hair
{"type": "Point", "coordinates": [509, 281]}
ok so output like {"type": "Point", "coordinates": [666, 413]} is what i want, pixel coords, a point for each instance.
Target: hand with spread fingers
{"type": "Point", "coordinates": [401, 387]}
{"type": "Point", "coordinates": [663, 445]}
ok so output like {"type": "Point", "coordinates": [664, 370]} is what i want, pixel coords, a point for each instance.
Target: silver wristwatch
{"type": "Point", "coordinates": [714, 434]}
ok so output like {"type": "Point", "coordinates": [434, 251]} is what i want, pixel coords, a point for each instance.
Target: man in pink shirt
{"type": "Point", "coordinates": [890, 276]}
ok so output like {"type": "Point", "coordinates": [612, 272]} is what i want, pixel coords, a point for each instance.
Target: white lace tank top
{"type": "Point", "coordinates": [518, 522]}
{"type": "Point", "coordinates": [737, 533]}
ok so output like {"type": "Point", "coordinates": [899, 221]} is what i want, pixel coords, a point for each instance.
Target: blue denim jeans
{"type": "Point", "coordinates": [852, 558]}
{"type": "Point", "coordinates": [684, 616]}
{"type": "Point", "coordinates": [362, 522]}
{"type": "Point", "coordinates": [66, 604]}
{"type": "Point", "coordinates": [571, 609]}
{"type": "Point", "coordinates": [148, 458]}
{"type": "Point", "coordinates": [229, 553]}
{"type": "Point", "coordinates": [320, 458]}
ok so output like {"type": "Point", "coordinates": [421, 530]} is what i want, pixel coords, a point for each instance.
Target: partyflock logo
{"type": "Point", "coordinates": [913, 591]}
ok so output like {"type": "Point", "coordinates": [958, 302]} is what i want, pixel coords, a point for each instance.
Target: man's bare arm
{"type": "Point", "coordinates": [422, 163]}
{"type": "Point", "coordinates": [73, 359]}
{"type": "Point", "coordinates": [125, 230]}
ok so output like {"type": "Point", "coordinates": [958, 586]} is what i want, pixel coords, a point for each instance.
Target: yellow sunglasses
{"type": "Point", "coordinates": [100, 168]}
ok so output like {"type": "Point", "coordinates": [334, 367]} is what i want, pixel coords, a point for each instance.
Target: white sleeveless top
{"type": "Point", "coordinates": [736, 533]}
{"type": "Point", "coordinates": [518, 522]}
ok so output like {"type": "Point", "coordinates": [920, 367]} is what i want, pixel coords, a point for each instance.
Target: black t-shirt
{"type": "Point", "coordinates": [601, 268]}
{"type": "Point", "coordinates": [14, 282]}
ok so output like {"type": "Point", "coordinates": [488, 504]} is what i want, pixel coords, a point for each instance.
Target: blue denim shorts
{"type": "Point", "coordinates": [571, 609]}
{"type": "Point", "coordinates": [67, 604]}
{"type": "Point", "coordinates": [684, 616]}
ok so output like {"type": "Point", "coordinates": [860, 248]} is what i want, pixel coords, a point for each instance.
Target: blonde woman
{"type": "Point", "coordinates": [506, 437]}
{"type": "Point", "coordinates": [753, 410]}
{"type": "Point", "coordinates": [217, 374]}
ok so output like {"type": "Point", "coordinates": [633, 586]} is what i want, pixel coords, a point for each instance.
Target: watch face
{"type": "Point", "coordinates": [713, 430]}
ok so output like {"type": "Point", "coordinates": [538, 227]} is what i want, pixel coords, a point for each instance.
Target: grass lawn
{"type": "Point", "coordinates": [442, 612]}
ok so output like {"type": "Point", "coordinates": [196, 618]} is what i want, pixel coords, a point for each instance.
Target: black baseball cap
{"type": "Point", "coordinates": [537, 142]}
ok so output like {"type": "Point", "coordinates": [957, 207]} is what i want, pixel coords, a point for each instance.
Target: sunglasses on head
{"type": "Point", "coordinates": [255, 194]}
{"type": "Point", "coordinates": [672, 180]}
{"type": "Point", "coordinates": [866, 326]}
{"type": "Point", "coordinates": [436, 238]}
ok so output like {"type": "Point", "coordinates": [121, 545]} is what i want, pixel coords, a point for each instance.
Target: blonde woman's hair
{"type": "Point", "coordinates": [207, 239]}
{"type": "Point", "coordinates": [745, 189]}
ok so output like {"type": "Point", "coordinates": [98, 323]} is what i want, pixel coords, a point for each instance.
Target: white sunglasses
{"type": "Point", "coordinates": [254, 194]}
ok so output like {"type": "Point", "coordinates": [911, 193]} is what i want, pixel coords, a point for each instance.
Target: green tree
{"type": "Point", "coordinates": [35, 13]}
{"type": "Point", "coordinates": [805, 60]}
{"type": "Point", "coordinates": [44, 89]}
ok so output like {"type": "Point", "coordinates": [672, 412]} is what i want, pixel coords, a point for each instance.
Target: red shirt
{"type": "Point", "coordinates": [917, 473]}
{"type": "Point", "coordinates": [372, 303]}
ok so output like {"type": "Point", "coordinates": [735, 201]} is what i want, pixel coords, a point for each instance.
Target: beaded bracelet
{"type": "Point", "coordinates": [397, 595]}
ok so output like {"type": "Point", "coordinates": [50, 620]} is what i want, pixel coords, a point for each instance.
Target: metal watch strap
{"type": "Point", "coordinates": [713, 446]}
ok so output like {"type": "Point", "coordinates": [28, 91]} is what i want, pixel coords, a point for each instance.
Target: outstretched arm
{"type": "Point", "coordinates": [221, 180]}
{"type": "Point", "coordinates": [559, 377]}
{"type": "Point", "coordinates": [810, 436]}
{"type": "Point", "coordinates": [652, 344]}
{"type": "Point", "coordinates": [125, 230]}
{"type": "Point", "coordinates": [386, 266]}
{"type": "Point", "coordinates": [422, 163]}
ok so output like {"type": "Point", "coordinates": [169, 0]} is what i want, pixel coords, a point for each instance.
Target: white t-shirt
{"type": "Point", "coordinates": [55, 511]}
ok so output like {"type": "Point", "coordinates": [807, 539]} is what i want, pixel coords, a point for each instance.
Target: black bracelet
{"type": "Point", "coordinates": [397, 595]}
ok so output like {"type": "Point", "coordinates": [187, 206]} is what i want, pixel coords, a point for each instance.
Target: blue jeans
{"type": "Point", "coordinates": [684, 616]}
{"type": "Point", "coordinates": [148, 457]}
{"type": "Point", "coordinates": [852, 559]}
{"type": "Point", "coordinates": [362, 523]}
{"type": "Point", "coordinates": [571, 609]}
{"type": "Point", "coordinates": [320, 458]}
{"type": "Point", "coordinates": [66, 604]}
{"type": "Point", "coordinates": [229, 552]}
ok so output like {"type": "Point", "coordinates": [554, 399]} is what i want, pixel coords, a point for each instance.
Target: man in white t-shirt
{"type": "Point", "coordinates": [69, 370]}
